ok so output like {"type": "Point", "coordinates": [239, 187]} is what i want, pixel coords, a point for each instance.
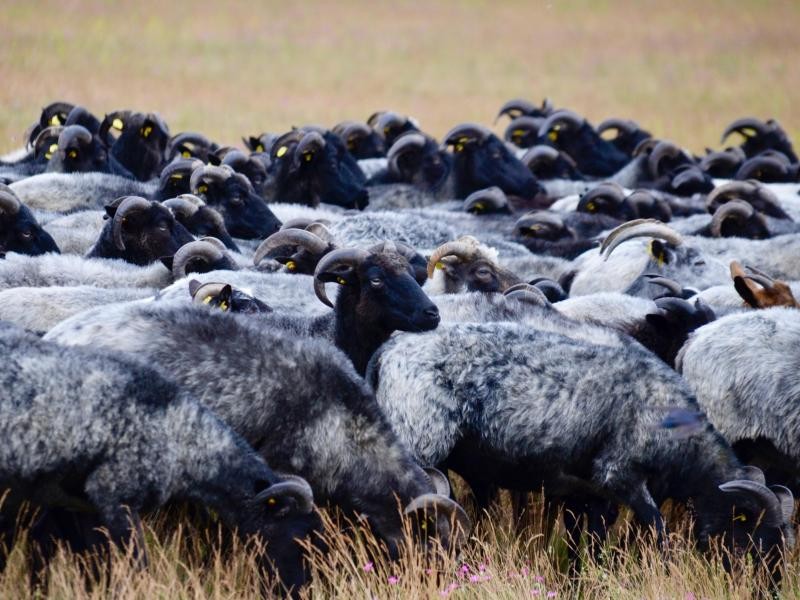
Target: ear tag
{"type": "Point", "coordinates": [741, 518]}
{"type": "Point", "coordinates": [386, 130]}
{"type": "Point", "coordinates": [479, 207]}
{"type": "Point", "coordinates": [553, 136]}
{"type": "Point", "coordinates": [55, 120]}
{"type": "Point", "coordinates": [307, 156]}
{"type": "Point", "coordinates": [458, 147]}
{"type": "Point", "coordinates": [72, 154]}
{"type": "Point", "coordinates": [281, 151]}
{"type": "Point", "coordinates": [202, 188]}
{"type": "Point", "coordinates": [117, 124]}
{"type": "Point", "coordinates": [341, 281]}
{"type": "Point", "coordinates": [223, 306]}
{"type": "Point", "coordinates": [290, 264]}
{"type": "Point", "coordinates": [146, 131]}
{"type": "Point", "coordinates": [424, 526]}
{"type": "Point", "coordinates": [272, 502]}
{"type": "Point", "coordinates": [176, 176]}
{"type": "Point", "coordinates": [518, 133]}
{"type": "Point", "coordinates": [439, 265]}
{"type": "Point", "coordinates": [260, 148]}
{"type": "Point", "coordinates": [591, 207]}
{"type": "Point", "coordinates": [659, 256]}
{"type": "Point", "coordinates": [207, 300]}
{"type": "Point", "coordinates": [186, 154]}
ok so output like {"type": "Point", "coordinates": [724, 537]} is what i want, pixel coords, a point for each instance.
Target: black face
{"type": "Point", "coordinates": [481, 276]}
{"type": "Point", "coordinates": [140, 146]}
{"type": "Point", "coordinates": [22, 234]}
{"type": "Point", "coordinates": [479, 165]}
{"type": "Point", "coordinates": [394, 131]}
{"type": "Point", "coordinates": [626, 142]}
{"type": "Point", "coordinates": [78, 157]}
{"type": "Point", "coordinates": [150, 235]}
{"type": "Point", "coordinates": [593, 155]}
{"type": "Point", "coordinates": [427, 167]}
{"type": "Point", "coordinates": [369, 146]}
{"type": "Point", "coordinates": [560, 168]}
{"type": "Point", "coordinates": [232, 300]}
{"type": "Point", "coordinates": [246, 215]}
{"type": "Point", "coordinates": [774, 139]}
{"type": "Point", "coordinates": [754, 228]}
{"type": "Point", "coordinates": [205, 222]}
{"type": "Point", "coordinates": [543, 231]}
{"type": "Point", "coordinates": [296, 259]}
{"type": "Point", "coordinates": [605, 205]}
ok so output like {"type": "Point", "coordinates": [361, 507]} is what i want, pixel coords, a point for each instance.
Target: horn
{"type": "Point", "coordinates": [345, 256]}
{"type": "Point", "coordinates": [203, 291]}
{"type": "Point", "coordinates": [525, 292]}
{"type": "Point", "coordinates": [670, 284]}
{"type": "Point", "coordinates": [547, 106]}
{"type": "Point", "coordinates": [389, 119]}
{"type": "Point", "coordinates": [439, 480]}
{"type": "Point", "coordinates": [493, 196]}
{"type": "Point", "coordinates": [466, 132]}
{"type": "Point", "coordinates": [214, 242]}
{"type": "Point", "coordinates": [675, 305]}
{"type": "Point", "coordinates": [645, 147]}
{"type": "Point", "coordinates": [516, 108]}
{"type": "Point", "coordinates": [718, 195]}
{"type": "Point", "coordinates": [786, 500]}
{"type": "Point", "coordinates": [729, 160]}
{"type": "Point", "coordinates": [607, 189]}
{"type": "Point", "coordinates": [128, 205]}
{"type": "Point", "coordinates": [759, 276]}
{"type": "Point", "coordinates": [74, 132]}
{"type": "Point", "coordinates": [297, 223]}
{"type": "Point", "coordinates": [311, 142]}
{"type": "Point", "coordinates": [54, 111]}
{"type": "Point", "coordinates": [660, 152]}
{"type": "Point", "coordinates": [286, 140]}
{"type": "Point", "coordinates": [189, 137]}
{"type": "Point", "coordinates": [540, 216]}
{"type": "Point", "coordinates": [621, 125]}
{"type": "Point", "coordinates": [739, 125]}
{"type": "Point", "coordinates": [181, 206]}
{"type": "Point", "coordinates": [442, 505]}
{"type": "Point", "coordinates": [353, 129]}
{"type": "Point", "coordinates": [734, 208]}
{"type": "Point", "coordinates": [464, 249]}
{"type": "Point", "coordinates": [203, 249]}
{"type": "Point", "coordinates": [567, 117]}
{"type": "Point", "coordinates": [639, 228]}
{"type": "Point", "coordinates": [290, 237]}
{"type": "Point", "coordinates": [401, 248]}
{"type": "Point", "coordinates": [218, 174]}
{"type": "Point", "coordinates": [751, 167]}
{"type": "Point", "coordinates": [403, 144]}
{"type": "Point", "coordinates": [523, 123]}
{"type": "Point", "coordinates": [9, 203]}
{"type": "Point", "coordinates": [181, 166]}
{"type": "Point", "coordinates": [290, 488]}
{"type": "Point", "coordinates": [539, 154]}
{"type": "Point", "coordinates": [686, 175]}
{"type": "Point", "coordinates": [766, 499]}
{"type": "Point", "coordinates": [109, 120]}
{"type": "Point", "coordinates": [44, 135]}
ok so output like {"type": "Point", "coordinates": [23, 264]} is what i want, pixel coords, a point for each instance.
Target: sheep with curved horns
{"type": "Point", "coordinates": [565, 235]}
{"type": "Point", "coordinates": [759, 290]}
{"type": "Point", "coordinates": [139, 231]}
{"type": "Point", "coordinates": [362, 141]}
{"type": "Point", "coordinates": [132, 440]}
{"type": "Point", "coordinates": [628, 134]}
{"type": "Point", "coordinates": [750, 389]}
{"type": "Point", "coordinates": [200, 256]}
{"type": "Point", "coordinates": [189, 144]}
{"type": "Point", "coordinates": [467, 264]}
{"type": "Point", "coordinates": [299, 249]}
{"type": "Point", "coordinates": [759, 136]}
{"type": "Point", "coordinates": [391, 125]}
{"type": "Point", "coordinates": [200, 219]}
{"type": "Point", "coordinates": [519, 107]}
{"type": "Point", "coordinates": [142, 142]}
{"type": "Point", "coordinates": [19, 230]}
{"type": "Point", "coordinates": [770, 166]}
{"type": "Point", "coordinates": [546, 163]}
{"type": "Point", "coordinates": [494, 401]}
{"type": "Point", "coordinates": [308, 399]}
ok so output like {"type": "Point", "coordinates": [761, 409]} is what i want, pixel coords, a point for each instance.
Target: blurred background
{"type": "Point", "coordinates": [683, 69]}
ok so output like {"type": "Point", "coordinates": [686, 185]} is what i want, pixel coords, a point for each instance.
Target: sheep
{"type": "Point", "coordinates": [308, 399]}
{"type": "Point", "coordinates": [391, 125]}
{"type": "Point", "coordinates": [361, 140]}
{"type": "Point", "coordinates": [78, 151]}
{"type": "Point", "coordinates": [65, 192]}
{"type": "Point", "coordinates": [546, 162]}
{"type": "Point", "coordinates": [141, 145]}
{"type": "Point", "coordinates": [503, 403]}
{"type": "Point", "coordinates": [19, 230]}
{"type": "Point", "coordinates": [139, 231]}
{"type": "Point", "coordinates": [74, 233]}
{"type": "Point", "coordinates": [743, 369]}
{"type": "Point", "coordinates": [226, 298]}
{"type": "Point", "coordinates": [519, 107]}
{"type": "Point", "coordinates": [130, 440]}
{"type": "Point", "coordinates": [759, 136]}
{"type": "Point", "coordinates": [628, 134]}
{"type": "Point", "coordinates": [199, 219]}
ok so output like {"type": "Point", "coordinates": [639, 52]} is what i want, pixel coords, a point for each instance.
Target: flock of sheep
{"type": "Point", "coordinates": [587, 311]}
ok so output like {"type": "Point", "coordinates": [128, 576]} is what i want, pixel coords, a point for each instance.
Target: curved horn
{"type": "Point", "coordinates": [199, 249]}
{"type": "Point", "coordinates": [291, 489]}
{"type": "Point", "coordinates": [540, 216]}
{"type": "Point", "coordinates": [675, 305]}
{"type": "Point", "coordinates": [462, 249]}
{"type": "Point", "coordinates": [311, 142]}
{"type": "Point", "coordinates": [404, 144]}
{"type": "Point", "coordinates": [492, 196]}
{"type": "Point", "coordinates": [733, 189]}
{"type": "Point", "coordinates": [290, 237]}
{"type": "Point", "coordinates": [567, 117]}
{"type": "Point", "coordinates": [353, 129]}
{"type": "Point", "coordinates": [752, 167]}
{"type": "Point", "coordinates": [297, 223]}
{"type": "Point", "coordinates": [181, 207]}
{"type": "Point", "coordinates": [181, 167]}
{"type": "Point", "coordinates": [206, 290]}
{"type": "Point", "coordinates": [740, 125]}
{"type": "Point", "coordinates": [9, 203]}
{"type": "Point", "coordinates": [189, 137]}
{"type": "Point", "coordinates": [607, 189]}
{"type": "Point", "coordinates": [74, 132]}
{"type": "Point", "coordinates": [345, 256]}
{"type": "Point", "coordinates": [466, 132]}
{"type": "Point", "coordinates": [439, 480]}
{"type": "Point", "coordinates": [660, 152]}
{"type": "Point", "coordinates": [687, 175]}
{"type": "Point", "coordinates": [522, 125]}
{"type": "Point", "coordinates": [728, 160]}
{"type": "Point", "coordinates": [516, 108]}
{"type": "Point", "coordinates": [621, 125]}
{"type": "Point", "coordinates": [538, 154]}
{"type": "Point", "coordinates": [387, 120]}
{"type": "Point", "coordinates": [44, 135]}
{"type": "Point", "coordinates": [766, 499]}
{"type": "Point", "coordinates": [669, 284]}
{"type": "Point", "coordinates": [219, 174]}
{"type": "Point", "coordinates": [735, 208]}
{"type": "Point", "coordinates": [52, 113]}
{"type": "Point", "coordinates": [435, 503]}
{"type": "Point", "coordinates": [525, 292]}
{"type": "Point", "coordinates": [129, 204]}
{"type": "Point", "coordinates": [639, 228]}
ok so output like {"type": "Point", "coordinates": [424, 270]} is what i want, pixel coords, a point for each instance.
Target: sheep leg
{"type": "Point", "coordinates": [646, 512]}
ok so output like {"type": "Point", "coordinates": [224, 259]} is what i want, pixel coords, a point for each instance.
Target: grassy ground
{"type": "Point", "coordinates": [684, 69]}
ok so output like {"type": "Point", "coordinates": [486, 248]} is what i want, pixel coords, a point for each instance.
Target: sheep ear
{"type": "Point", "coordinates": [745, 290]}
{"type": "Point", "coordinates": [214, 160]}
{"type": "Point", "coordinates": [658, 321]}
{"type": "Point", "coordinates": [194, 285]}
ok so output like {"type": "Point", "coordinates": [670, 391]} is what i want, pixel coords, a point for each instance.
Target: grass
{"type": "Point", "coordinates": [496, 563]}
{"type": "Point", "coordinates": [684, 69]}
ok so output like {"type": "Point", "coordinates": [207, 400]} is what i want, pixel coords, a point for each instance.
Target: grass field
{"type": "Point", "coordinates": [682, 68]}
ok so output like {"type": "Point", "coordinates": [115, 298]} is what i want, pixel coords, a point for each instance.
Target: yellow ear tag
{"type": "Point", "coordinates": [281, 151]}
{"type": "Point", "coordinates": [51, 150]}
{"type": "Point", "coordinates": [202, 189]}
{"type": "Point", "coordinates": [518, 133]}
{"type": "Point", "coordinates": [307, 156]}
{"type": "Point", "coordinates": [386, 130]}
{"type": "Point", "coordinates": [146, 131]}
{"type": "Point", "coordinates": [290, 264]}
{"type": "Point", "coordinates": [458, 147]}
{"type": "Point", "coordinates": [176, 176]}
{"type": "Point", "coordinates": [223, 306]}
{"type": "Point", "coordinates": [55, 120]}
{"type": "Point", "coordinates": [117, 124]}
{"type": "Point", "coordinates": [186, 154]}
{"type": "Point", "coordinates": [658, 256]}
{"type": "Point", "coordinates": [424, 526]}
{"type": "Point", "coordinates": [591, 207]}
{"type": "Point", "coordinates": [479, 206]}
{"type": "Point", "coordinates": [72, 154]}
{"type": "Point", "coordinates": [741, 518]}
{"type": "Point", "coordinates": [553, 135]}
{"type": "Point", "coordinates": [260, 148]}
{"type": "Point", "coordinates": [272, 502]}
{"type": "Point", "coordinates": [439, 265]}
{"type": "Point", "coordinates": [341, 281]}
{"type": "Point", "coordinates": [207, 300]}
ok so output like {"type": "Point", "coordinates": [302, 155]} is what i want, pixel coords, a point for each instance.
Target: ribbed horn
{"type": "Point", "coordinates": [754, 168]}
{"type": "Point", "coordinates": [354, 129]}
{"type": "Point", "coordinates": [727, 160]}
{"type": "Point", "coordinates": [741, 125]}
{"type": "Point", "coordinates": [466, 132]}
{"type": "Point", "coordinates": [539, 154]}
{"type": "Point", "coordinates": [129, 205]}
{"type": "Point", "coordinates": [525, 292]}
{"type": "Point", "coordinates": [621, 125]}
{"type": "Point", "coordinates": [189, 137]}
{"type": "Point", "coordinates": [764, 497]}
{"type": "Point", "coordinates": [387, 120]}
{"type": "Point", "coordinates": [404, 144]}
{"type": "Point", "coordinates": [662, 150]}
{"type": "Point", "coordinates": [74, 132]}
{"type": "Point", "coordinates": [639, 228]}
{"type": "Point", "coordinates": [493, 197]}
{"type": "Point", "coordinates": [345, 256]}
{"type": "Point", "coordinates": [310, 143]}
{"type": "Point", "coordinates": [567, 117]}
{"type": "Point", "coordinates": [516, 108]}
{"type": "Point", "coordinates": [540, 216]}
{"type": "Point", "coordinates": [607, 189]}
{"type": "Point", "coordinates": [669, 284]}
{"type": "Point", "coordinates": [441, 505]}
{"type": "Point", "coordinates": [439, 480]}
{"type": "Point", "coordinates": [289, 237]}
{"type": "Point", "coordinates": [55, 113]}
{"type": "Point", "coordinates": [199, 249]}
{"type": "Point", "coordinates": [291, 489]}
{"type": "Point", "coordinates": [460, 248]}
{"type": "Point", "coordinates": [735, 208]}
{"type": "Point", "coordinates": [733, 189]}
{"type": "Point", "coordinates": [218, 174]}
{"type": "Point", "coordinates": [522, 125]}
{"type": "Point", "coordinates": [181, 207]}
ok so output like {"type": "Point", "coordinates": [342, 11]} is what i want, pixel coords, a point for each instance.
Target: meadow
{"type": "Point", "coordinates": [682, 69]}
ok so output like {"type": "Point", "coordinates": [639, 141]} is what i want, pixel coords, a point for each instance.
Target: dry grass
{"type": "Point", "coordinates": [496, 564]}
{"type": "Point", "coordinates": [682, 68]}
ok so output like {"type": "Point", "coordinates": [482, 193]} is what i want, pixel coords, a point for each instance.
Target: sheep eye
{"type": "Point", "coordinates": [376, 282]}
{"type": "Point", "coordinates": [163, 227]}
{"type": "Point", "coordinates": [236, 201]}
{"type": "Point", "coordinates": [26, 235]}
